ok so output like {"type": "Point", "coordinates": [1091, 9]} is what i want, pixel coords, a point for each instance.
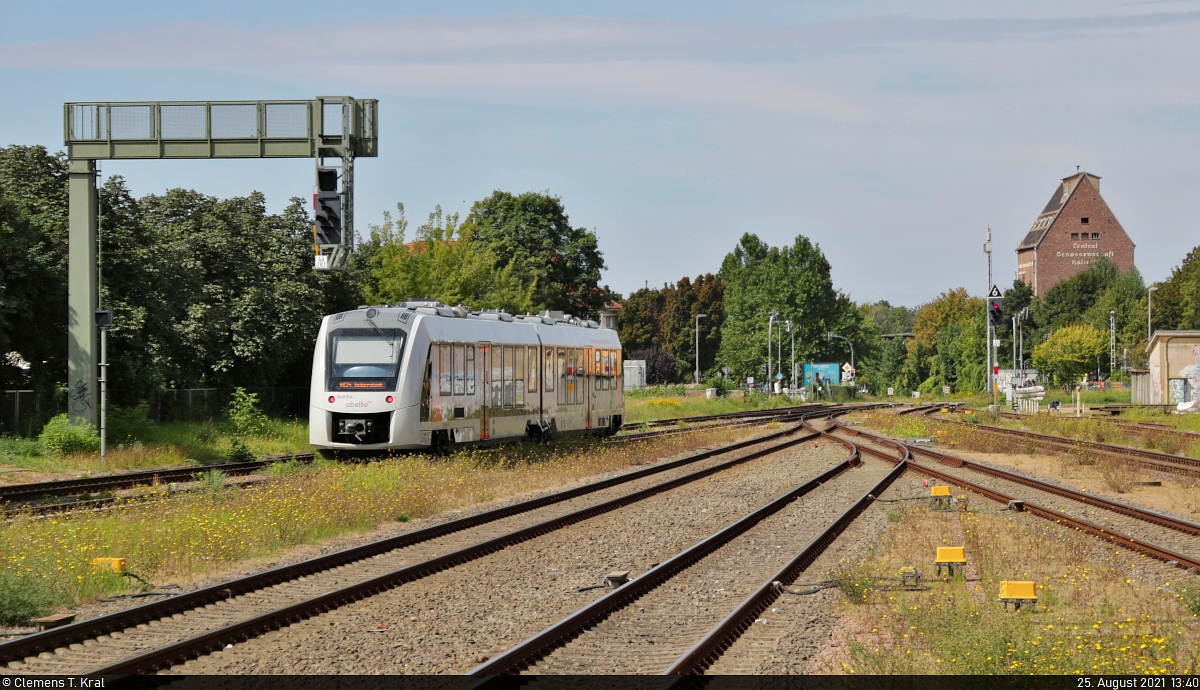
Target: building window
{"type": "Point", "coordinates": [1083, 221]}
{"type": "Point", "coordinates": [1074, 235]}
{"type": "Point", "coordinates": [1095, 235]}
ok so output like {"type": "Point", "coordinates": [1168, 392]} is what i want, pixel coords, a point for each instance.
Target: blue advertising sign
{"type": "Point", "coordinates": [820, 372]}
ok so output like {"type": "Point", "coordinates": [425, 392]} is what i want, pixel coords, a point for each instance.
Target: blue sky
{"type": "Point", "coordinates": [892, 134]}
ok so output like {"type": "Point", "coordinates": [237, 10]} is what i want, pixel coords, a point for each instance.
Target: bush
{"type": "Point", "coordinates": [243, 413]}
{"type": "Point", "coordinates": [128, 424]}
{"type": "Point", "coordinates": [22, 599]}
{"type": "Point", "coordinates": [240, 452]}
{"type": "Point", "coordinates": [721, 384]}
{"type": "Point", "coordinates": [661, 366]}
{"type": "Point", "coordinates": [60, 437]}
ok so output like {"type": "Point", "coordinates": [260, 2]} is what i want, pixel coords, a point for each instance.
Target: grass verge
{"type": "Point", "coordinates": [1099, 610]}
{"type": "Point", "coordinates": [48, 561]}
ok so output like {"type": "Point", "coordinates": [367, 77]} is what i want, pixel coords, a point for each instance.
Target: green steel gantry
{"type": "Point", "coordinates": [337, 127]}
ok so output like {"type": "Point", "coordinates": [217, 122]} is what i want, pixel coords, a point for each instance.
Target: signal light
{"type": "Point", "coordinates": [995, 313]}
{"type": "Point", "coordinates": [327, 207]}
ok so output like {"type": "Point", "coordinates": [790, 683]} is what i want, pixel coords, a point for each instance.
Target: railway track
{"type": "Point", "coordinates": [159, 634]}
{"type": "Point", "coordinates": [32, 498]}
{"type": "Point", "coordinates": [675, 601]}
{"type": "Point", "coordinates": [1164, 462]}
{"type": "Point", "coordinates": [1060, 515]}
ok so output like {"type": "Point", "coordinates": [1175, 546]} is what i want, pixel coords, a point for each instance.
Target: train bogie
{"type": "Point", "coordinates": [420, 375]}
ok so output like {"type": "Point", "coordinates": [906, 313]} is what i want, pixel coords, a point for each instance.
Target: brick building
{"type": "Point", "coordinates": [1073, 230]}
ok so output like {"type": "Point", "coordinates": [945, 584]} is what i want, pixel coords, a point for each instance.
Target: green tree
{"type": "Point", "coordinates": [640, 323]}
{"type": "Point", "coordinates": [33, 274]}
{"type": "Point", "coordinates": [532, 233]}
{"type": "Point", "coordinates": [443, 262]}
{"type": "Point", "coordinates": [794, 281]}
{"type": "Point", "coordinates": [1070, 352]}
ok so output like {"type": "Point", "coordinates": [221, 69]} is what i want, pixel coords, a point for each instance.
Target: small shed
{"type": "Point", "coordinates": [1174, 376]}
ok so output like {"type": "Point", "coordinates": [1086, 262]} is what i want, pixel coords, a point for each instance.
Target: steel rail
{"type": "Point", "coordinates": [129, 480]}
{"type": "Point", "coordinates": [1163, 461]}
{"type": "Point", "coordinates": [166, 656]}
{"type": "Point", "coordinates": [18, 493]}
{"type": "Point", "coordinates": [1161, 553]}
{"type": "Point", "coordinates": [531, 649]}
{"type": "Point", "coordinates": [63, 636]}
{"type": "Point", "coordinates": [1150, 516]}
{"type": "Point", "coordinates": [725, 633]}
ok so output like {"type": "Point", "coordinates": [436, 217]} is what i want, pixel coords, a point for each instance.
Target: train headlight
{"type": "Point", "coordinates": [332, 399]}
{"type": "Point", "coordinates": [391, 399]}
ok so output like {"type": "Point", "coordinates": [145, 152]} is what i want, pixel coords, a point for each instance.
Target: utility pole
{"type": "Point", "coordinates": [793, 334]}
{"type": "Point", "coordinates": [1112, 342]}
{"type": "Point", "coordinates": [770, 371]}
{"type": "Point", "coordinates": [987, 249]}
{"type": "Point", "coordinates": [698, 317]}
{"type": "Point", "coordinates": [1149, 322]}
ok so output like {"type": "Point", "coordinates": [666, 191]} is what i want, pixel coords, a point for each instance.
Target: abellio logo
{"type": "Point", "coordinates": [351, 403]}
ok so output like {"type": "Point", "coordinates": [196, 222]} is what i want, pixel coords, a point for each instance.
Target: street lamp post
{"type": "Point", "coordinates": [698, 317]}
{"type": "Point", "coordinates": [831, 335]}
{"type": "Point", "coordinates": [1149, 323]}
{"type": "Point", "coordinates": [793, 334]}
{"type": "Point", "coordinates": [770, 370]}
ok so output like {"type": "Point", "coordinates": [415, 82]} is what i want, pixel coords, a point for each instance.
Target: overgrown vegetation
{"type": "Point", "coordinates": [1099, 610]}
{"type": "Point", "coordinates": [47, 563]}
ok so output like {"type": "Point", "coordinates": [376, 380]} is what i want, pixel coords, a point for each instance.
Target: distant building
{"type": "Point", "coordinates": [609, 314]}
{"type": "Point", "coordinates": [1073, 230]}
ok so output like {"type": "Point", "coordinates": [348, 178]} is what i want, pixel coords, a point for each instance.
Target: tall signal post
{"type": "Point", "coordinates": [337, 127]}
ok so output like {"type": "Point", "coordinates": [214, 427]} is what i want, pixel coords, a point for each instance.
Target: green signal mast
{"type": "Point", "coordinates": [329, 127]}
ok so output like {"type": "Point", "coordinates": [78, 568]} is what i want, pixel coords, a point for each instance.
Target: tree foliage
{"type": "Point", "coordinates": [661, 366]}
{"type": "Point", "coordinates": [795, 281]}
{"type": "Point", "coordinates": [1071, 352]}
{"type": "Point", "coordinates": [531, 233]}
{"type": "Point", "coordinates": [33, 272]}
{"type": "Point", "coordinates": [442, 262]}
{"type": "Point", "coordinates": [666, 318]}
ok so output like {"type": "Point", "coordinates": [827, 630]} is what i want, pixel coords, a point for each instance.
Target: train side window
{"type": "Point", "coordinates": [549, 375]}
{"type": "Point", "coordinates": [445, 370]}
{"type": "Point", "coordinates": [425, 393]}
{"type": "Point", "coordinates": [470, 367]}
{"type": "Point", "coordinates": [533, 369]}
{"type": "Point", "coordinates": [508, 376]}
{"type": "Point", "coordinates": [497, 374]}
{"type": "Point", "coordinates": [562, 376]}
{"type": "Point", "coordinates": [519, 377]}
{"type": "Point", "coordinates": [460, 386]}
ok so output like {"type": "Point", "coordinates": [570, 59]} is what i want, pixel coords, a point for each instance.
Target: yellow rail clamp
{"type": "Point", "coordinates": [114, 565]}
{"type": "Point", "coordinates": [940, 491]}
{"type": "Point", "coordinates": [950, 558]}
{"type": "Point", "coordinates": [1017, 592]}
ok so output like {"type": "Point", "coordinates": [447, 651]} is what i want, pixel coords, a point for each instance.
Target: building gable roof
{"type": "Point", "coordinates": [1057, 202]}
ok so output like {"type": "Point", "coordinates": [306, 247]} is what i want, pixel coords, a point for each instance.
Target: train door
{"type": "Point", "coordinates": [484, 391]}
{"type": "Point", "coordinates": [589, 400]}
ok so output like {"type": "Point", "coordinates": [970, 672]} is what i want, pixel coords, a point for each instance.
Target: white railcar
{"type": "Point", "coordinates": [421, 375]}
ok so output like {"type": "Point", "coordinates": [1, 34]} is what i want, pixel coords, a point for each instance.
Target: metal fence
{"type": "Point", "coordinates": [24, 412]}
{"type": "Point", "coordinates": [195, 404]}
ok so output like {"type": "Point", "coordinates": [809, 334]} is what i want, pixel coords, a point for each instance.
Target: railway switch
{"type": "Point", "coordinates": [950, 558]}
{"type": "Point", "coordinates": [112, 565]}
{"type": "Point", "coordinates": [1017, 592]}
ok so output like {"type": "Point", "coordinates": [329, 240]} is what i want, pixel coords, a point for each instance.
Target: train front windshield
{"type": "Point", "coordinates": [364, 359]}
